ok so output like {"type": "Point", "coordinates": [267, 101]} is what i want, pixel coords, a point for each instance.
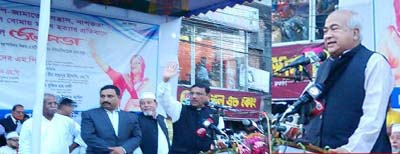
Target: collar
{"type": "Point", "coordinates": [13, 119]}
{"type": "Point", "coordinates": [114, 111]}
{"type": "Point", "coordinates": [198, 108]}
{"type": "Point", "coordinates": [346, 51]}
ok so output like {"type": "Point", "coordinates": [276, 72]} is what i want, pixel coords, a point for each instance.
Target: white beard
{"type": "Point", "coordinates": [148, 113]}
{"type": "Point", "coordinates": [395, 150]}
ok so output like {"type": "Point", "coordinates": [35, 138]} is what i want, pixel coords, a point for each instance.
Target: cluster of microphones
{"type": "Point", "coordinates": [307, 58]}
{"type": "Point", "coordinates": [288, 122]}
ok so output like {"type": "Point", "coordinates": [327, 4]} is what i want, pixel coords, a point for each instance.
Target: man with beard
{"type": "Point", "coordinates": [56, 130]}
{"type": "Point", "coordinates": [154, 130]}
{"type": "Point", "coordinates": [395, 138]}
{"type": "Point", "coordinates": [12, 144]}
{"type": "Point", "coordinates": [107, 130]}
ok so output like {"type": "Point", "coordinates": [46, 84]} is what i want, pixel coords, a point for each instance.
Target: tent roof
{"type": "Point", "coordinates": [169, 7]}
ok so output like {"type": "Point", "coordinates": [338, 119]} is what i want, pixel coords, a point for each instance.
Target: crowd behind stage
{"type": "Point", "coordinates": [354, 118]}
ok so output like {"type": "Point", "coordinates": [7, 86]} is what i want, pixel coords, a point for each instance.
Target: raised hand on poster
{"type": "Point", "coordinates": [92, 46]}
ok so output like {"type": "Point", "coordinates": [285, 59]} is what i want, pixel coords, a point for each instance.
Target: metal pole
{"type": "Point", "coordinates": [44, 23]}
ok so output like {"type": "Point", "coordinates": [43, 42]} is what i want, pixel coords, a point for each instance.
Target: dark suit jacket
{"type": "Point", "coordinates": [98, 132]}
{"type": "Point", "coordinates": [149, 127]}
{"type": "Point", "coordinates": [9, 126]}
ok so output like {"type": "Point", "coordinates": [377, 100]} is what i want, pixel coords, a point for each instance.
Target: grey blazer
{"type": "Point", "coordinates": [98, 132]}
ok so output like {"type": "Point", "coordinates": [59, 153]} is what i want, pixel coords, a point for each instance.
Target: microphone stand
{"type": "Point", "coordinates": [297, 75]}
{"type": "Point", "coordinates": [269, 134]}
{"type": "Point", "coordinates": [306, 73]}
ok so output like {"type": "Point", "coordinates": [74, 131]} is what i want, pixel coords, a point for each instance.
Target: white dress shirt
{"type": "Point", "coordinates": [114, 118]}
{"type": "Point", "coordinates": [78, 139]}
{"type": "Point", "coordinates": [162, 143]}
{"type": "Point", "coordinates": [378, 86]}
{"type": "Point", "coordinates": [55, 135]}
{"type": "Point", "coordinates": [163, 147]}
{"type": "Point", "coordinates": [18, 123]}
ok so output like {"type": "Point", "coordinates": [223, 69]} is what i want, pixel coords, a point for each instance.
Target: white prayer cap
{"type": "Point", "coordinates": [147, 95]}
{"type": "Point", "coordinates": [395, 128]}
{"type": "Point", "coordinates": [11, 135]}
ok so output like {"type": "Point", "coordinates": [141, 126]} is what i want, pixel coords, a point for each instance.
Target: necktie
{"type": "Point", "coordinates": [19, 125]}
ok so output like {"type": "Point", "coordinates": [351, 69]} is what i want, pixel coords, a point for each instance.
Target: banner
{"type": "Point", "coordinates": [246, 104]}
{"type": "Point", "coordinates": [388, 40]}
{"type": "Point", "coordinates": [85, 52]}
{"type": "Point", "coordinates": [291, 83]}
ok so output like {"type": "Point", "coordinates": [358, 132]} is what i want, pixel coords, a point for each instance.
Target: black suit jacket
{"type": "Point", "coordinates": [9, 126]}
{"type": "Point", "coordinates": [98, 132]}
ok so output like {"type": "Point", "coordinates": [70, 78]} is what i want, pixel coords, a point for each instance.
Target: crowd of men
{"type": "Point", "coordinates": [107, 129]}
{"type": "Point", "coordinates": [353, 119]}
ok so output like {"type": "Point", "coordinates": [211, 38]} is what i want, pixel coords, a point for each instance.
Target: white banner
{"type": "Point", "coordinates": [85, 52]}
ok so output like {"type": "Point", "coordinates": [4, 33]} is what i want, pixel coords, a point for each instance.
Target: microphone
{"type": "Point", "coordinates": [209, 123]}
{"type": "Point", "coordinates": [307, 58]}
{"type": "Point", "coordinates": [251, 123]}
{"type": "Point", "coordinates": [318, 108]}
{"type": "Point", "coordinates": [219, 106]}
{"type": "Point", "coordinates": [201, 132]}
{"type": "Point", "coordinates": [312, 93]}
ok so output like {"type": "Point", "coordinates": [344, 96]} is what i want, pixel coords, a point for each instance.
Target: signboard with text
{"type": "Point", "coordinates": [245, 104]}
{"type": "Point", "coordinates": [291, 83]}
{"type": "Point", "coordinates": [85, 52]}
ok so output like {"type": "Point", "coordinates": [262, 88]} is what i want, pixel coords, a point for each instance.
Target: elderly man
{"type": "Point", "coordinates": [154, 130]}
{"type": "Point", "coordinates": [12, 144]}
{"type": "Point", "coordinates": [395, 138]}
{"type": "Point", "coordinates": [357, 85]}
{"type": "Point", "coordinates": [56, 130]}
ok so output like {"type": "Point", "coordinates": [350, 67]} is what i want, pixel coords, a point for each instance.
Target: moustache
{"type": "Point", "coordinates": [105, 102]}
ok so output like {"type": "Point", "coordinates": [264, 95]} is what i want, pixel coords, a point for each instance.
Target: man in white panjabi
{"type": "Point", "coordinates": [56, 130]}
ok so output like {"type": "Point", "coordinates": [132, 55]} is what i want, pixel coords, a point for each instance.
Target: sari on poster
{"type": "Point", "coordinates": [134, 82]}
{"type": "Point", "coordinates": [389, 45]}
{"type": "Point", "coordinates": [71, 70]}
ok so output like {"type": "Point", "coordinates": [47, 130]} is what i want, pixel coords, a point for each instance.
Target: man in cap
{"type": "Point", "coordinates": [395, 138]}
{"type": "Point", "coordinates": [154, 130]}
{"type": "Point", "coordinates": [12, 144]}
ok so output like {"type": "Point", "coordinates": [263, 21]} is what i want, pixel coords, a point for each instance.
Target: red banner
{"type": "Point", "coordinates": [246, 104]}
{"type": "Point", "coordinates": [283, 84]}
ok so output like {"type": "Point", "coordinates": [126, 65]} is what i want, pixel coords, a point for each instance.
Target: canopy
{"type": "Point", "coordinates": [167, 7]}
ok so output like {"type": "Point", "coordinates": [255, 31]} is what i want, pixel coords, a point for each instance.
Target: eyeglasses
{"type": "Point", "coordinates": [12, 139]}
{"type": "Point", "coordinates": [19, 112]}
{"type": "Point", "coordinates": [196, 93]}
